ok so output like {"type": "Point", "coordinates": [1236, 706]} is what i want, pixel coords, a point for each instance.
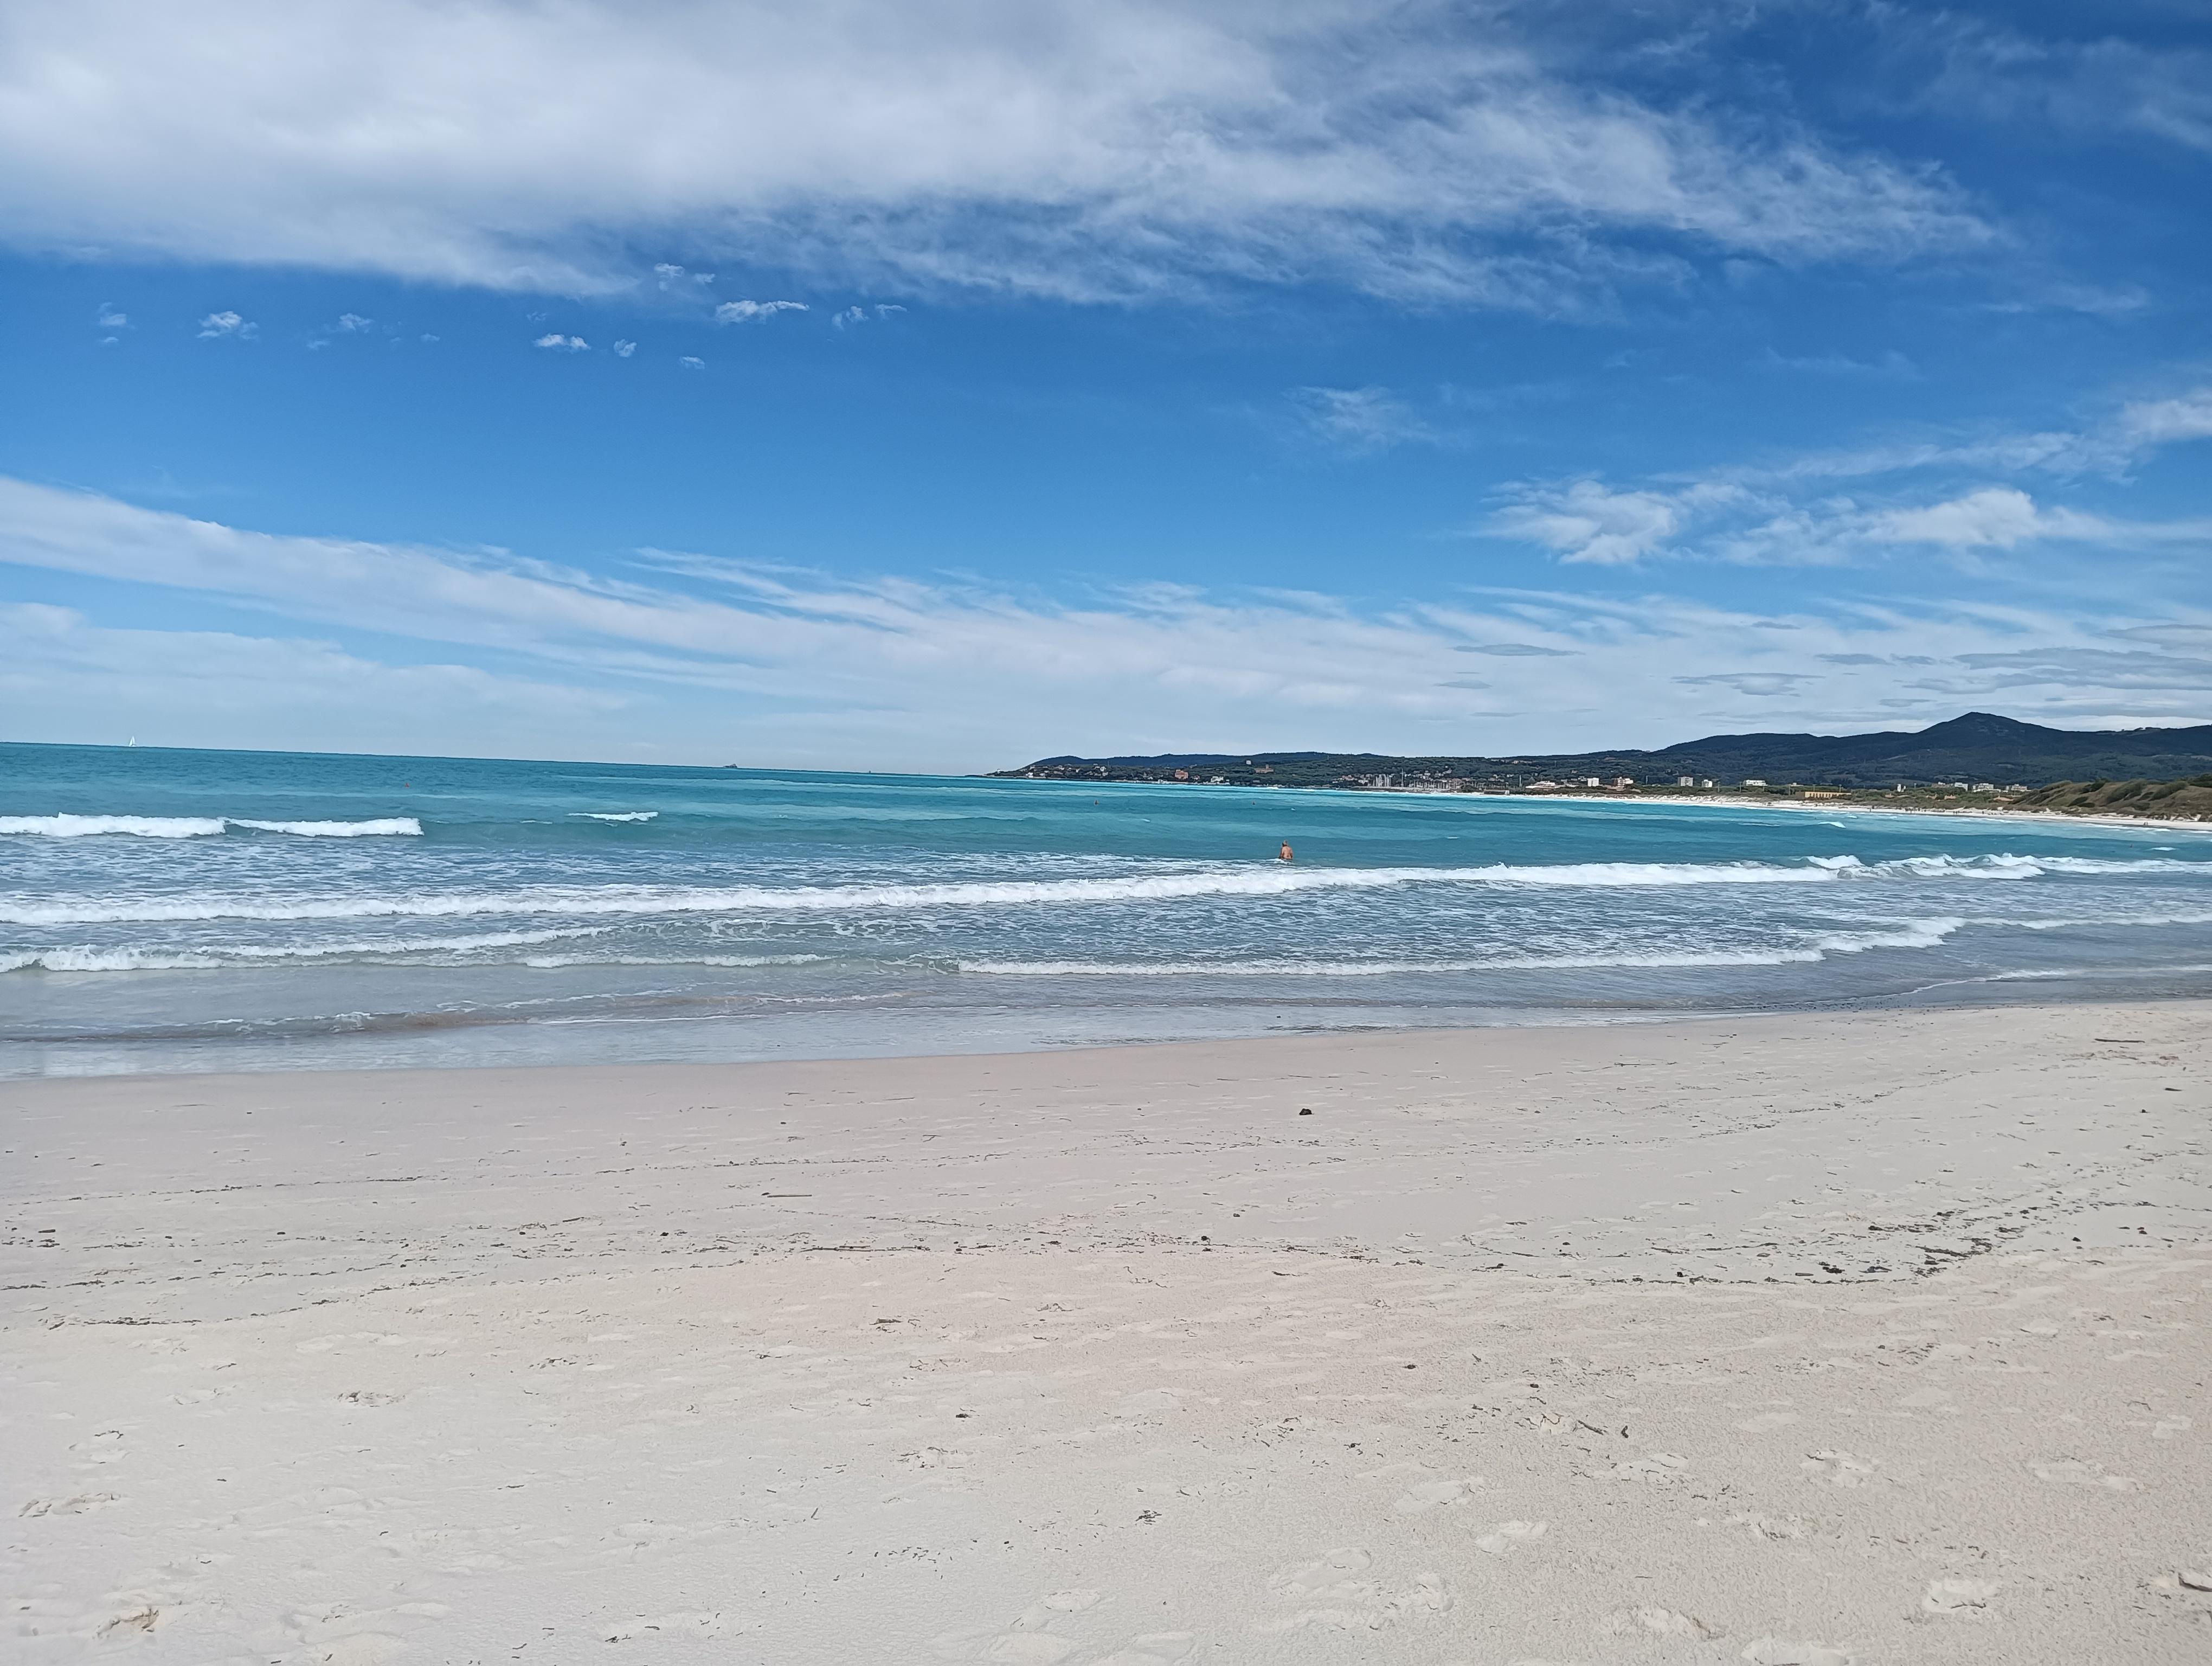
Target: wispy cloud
{"type": "Point", "coordinates": [1584, 520]}
{"type": "Point", "coordinates": [1105, 150]}
{"type": "Point", "coordinates": [1961, 65]}
{"type": "Point", "coordinates": [215, 325]}
{"type": "Point", "coordinates": [560, 343]}
{"type": "Point", "coordinates": [1791, 514]}
{"type": "Point", "coordinates": [1358, 419]}
{"type": "Point", "coordinates": [748, 312]}
{"type": "Point", "coordinates": [952, 676]}
{"type": "Point", "coordinates": [1891, 365]}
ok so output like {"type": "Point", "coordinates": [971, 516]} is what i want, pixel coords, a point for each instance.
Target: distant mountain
{"type": "Point", "coordinates": [1979, 747]}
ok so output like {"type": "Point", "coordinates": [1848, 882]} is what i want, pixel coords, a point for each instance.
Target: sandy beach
{"type": "Point", "coordinates": [1870, 1337]}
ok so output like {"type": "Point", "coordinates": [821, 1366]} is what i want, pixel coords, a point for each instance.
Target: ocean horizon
{"type": "Point", "coordinates": [168, 909]}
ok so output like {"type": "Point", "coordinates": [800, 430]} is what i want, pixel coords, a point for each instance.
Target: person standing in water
{"type": "Point", "coordinates": [1284, 854]}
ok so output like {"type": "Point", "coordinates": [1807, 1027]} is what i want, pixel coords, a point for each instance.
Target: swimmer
{"type": "Point", "coordinates": [1284, 854]}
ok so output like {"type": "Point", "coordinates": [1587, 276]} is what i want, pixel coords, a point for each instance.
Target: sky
{"type": "Point", "coordinates": [937, 386]}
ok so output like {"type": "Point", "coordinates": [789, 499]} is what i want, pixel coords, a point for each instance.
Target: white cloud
{"type": "Point", "coordinates": [64, 678]}
{"type": "Point", "coordinates": [561, 343]}
{"type": "Point", "coordinates": [1768, 515]}
{"type": "Point", "coordinates": [1584, 520]}
{"type": "Point", "coordinates": [107, 318]}
{"type": "Point", "coordinates": [1358, 419]}
{"type": "Point", "coordinates": [1079, 148]}
{"type": "Point", "coordinates": [690, 363]}
{"type": "Point", "coordinates": [2102, 84]}
{"type": "Point", "coordinates": [353, 323]}
{"type": "Point", "coordinates": [744, 312]}
{"type": "Point", "coordinates": [849, 317]}
{"type": "Point", "coordinates": [2164, 422]}
{"type": "Point", "coordinates": [624, 349]}
{"type": "Point", "coordinates": [1995, 517]}
{"type": "Point", "coordinates": [934, 675]}
{"type": "Point", "coordinates": [216, 324]}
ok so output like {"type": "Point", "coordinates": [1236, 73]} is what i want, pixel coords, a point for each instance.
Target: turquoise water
{"type": "Point", "coordinates": [163, 910]}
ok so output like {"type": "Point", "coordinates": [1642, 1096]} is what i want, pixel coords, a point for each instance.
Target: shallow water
{"type": "Point", "coordinates": [165, 910]}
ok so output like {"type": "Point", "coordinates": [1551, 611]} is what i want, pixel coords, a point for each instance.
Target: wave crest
{"type": "Point", "coordinates": [1269, 881]}
{"type": "Point", "coordinates": [201, 827]}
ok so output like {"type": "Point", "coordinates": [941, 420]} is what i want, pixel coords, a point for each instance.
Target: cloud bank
{"type": "Point", "coordinates": [689, 656]}
{"type": "Point", "coordinates": [1083, 150]}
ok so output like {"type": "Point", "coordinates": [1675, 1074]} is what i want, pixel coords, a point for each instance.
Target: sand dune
{"type": "Point", "coordinates": [1872, 1338]}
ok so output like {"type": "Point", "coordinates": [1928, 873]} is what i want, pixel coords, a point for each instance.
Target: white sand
{"type": "Point", "coordinates": [1876, 1337]}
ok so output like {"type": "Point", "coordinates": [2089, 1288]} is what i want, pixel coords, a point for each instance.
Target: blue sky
{"type": "Point", "coordinates": [937, 386]}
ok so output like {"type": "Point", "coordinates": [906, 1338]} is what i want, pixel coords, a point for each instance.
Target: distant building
{"type": "Point", "coordinates": [1623, 782]}
{"type": "Point", "coordinates": [1592, 780]}
{"type": "Point", "coordinates": [1753, 781]}
{"type": "Point", "coordinates": [1182, 774]}
{"type": "Point", "coordinates": [1686, 781]}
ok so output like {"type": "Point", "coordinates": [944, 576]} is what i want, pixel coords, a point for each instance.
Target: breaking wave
{"type": "Point", "coordinates": [201, 827]}
{"type": "Point", "coordinates": [1269, 881]}
{"type": "Point", "coordinates": [1917, 934]}
{"type": "Point", "coordinates": [614, 815]}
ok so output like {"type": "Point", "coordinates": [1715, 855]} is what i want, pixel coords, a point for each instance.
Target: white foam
{"type": "Point", "coordinates": [199, 826]}
{"type": "Point", "coordinates": [107, 960]}
{"type": "Point", "coordinates": [142, 827]}
{"type": "Point", "coordinates": [615, 815]}
{"type": "Point", "coordinates": [1905, 934]}
{"type": "Point", "coordinates": [85, 959]}
{"type": "Point", "coordinates": [1270, 879]}
{"type": "Point", "coordinates": [385, 828]}
{"type": "Point", "coordinates": [1381, 968]}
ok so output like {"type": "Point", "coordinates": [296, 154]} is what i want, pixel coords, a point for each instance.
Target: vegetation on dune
{"type": "Point", "coordinates": [2187, 799]}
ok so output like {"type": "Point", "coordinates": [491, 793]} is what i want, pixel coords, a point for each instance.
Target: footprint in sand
{"type": "Point", "coordinates": [1652, 1466]}
{"type": "Point", "coordinates": [1771, 1526]}
{"type": "Point", "coordinates": [1773, 1651]}
{"type": "Point", "coordinates": [1751, 1426]}
{"type": "Point", "coordinates": [667, 1627]}
{"type": "Point", "coordinates": [1658, 1622]}
{"type": "Point", "coordinates": [1344, 1598]}
{"type": "Point", "coordinates": [1028, 1641]}
{"type": "Point", "coordinates": [1958, 1596]}
{"type": "Point", "coordinates": [1839, 1468]}
{"type": "Point", "coordinates": [76, 1506]}
{"type": "Point", "coordinates": [1155, 1649]}
{"type": "Point", "coordinates": [1506, 1534]}
{"type": "Point", "coordinates": [1341, 1572]}
{"type": "Point", "coordinates": [1149, 1403]}
{"type": "Point", "coordinates": [1427, 1495]}
{"type": "Point", "coordinates": [2073, 1472]}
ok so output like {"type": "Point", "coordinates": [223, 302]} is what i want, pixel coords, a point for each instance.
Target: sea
{"type": "Point", "coordinates": [167, 910]}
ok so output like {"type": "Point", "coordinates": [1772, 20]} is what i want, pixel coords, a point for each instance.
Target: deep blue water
{"type": "Point", "coordinates": [165, 910]}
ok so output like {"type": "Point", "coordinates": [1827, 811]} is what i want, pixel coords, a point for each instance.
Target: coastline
{"type": "Point", "coordinates": [1809, 1337]}
{"type": "Point", "coordinates": [1730, 801]}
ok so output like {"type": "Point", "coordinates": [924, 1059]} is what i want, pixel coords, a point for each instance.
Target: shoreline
{"type": "Point", "coordinates": [1720, 800]}
{"type": "Point", "coordinates": [1813, 1337]}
